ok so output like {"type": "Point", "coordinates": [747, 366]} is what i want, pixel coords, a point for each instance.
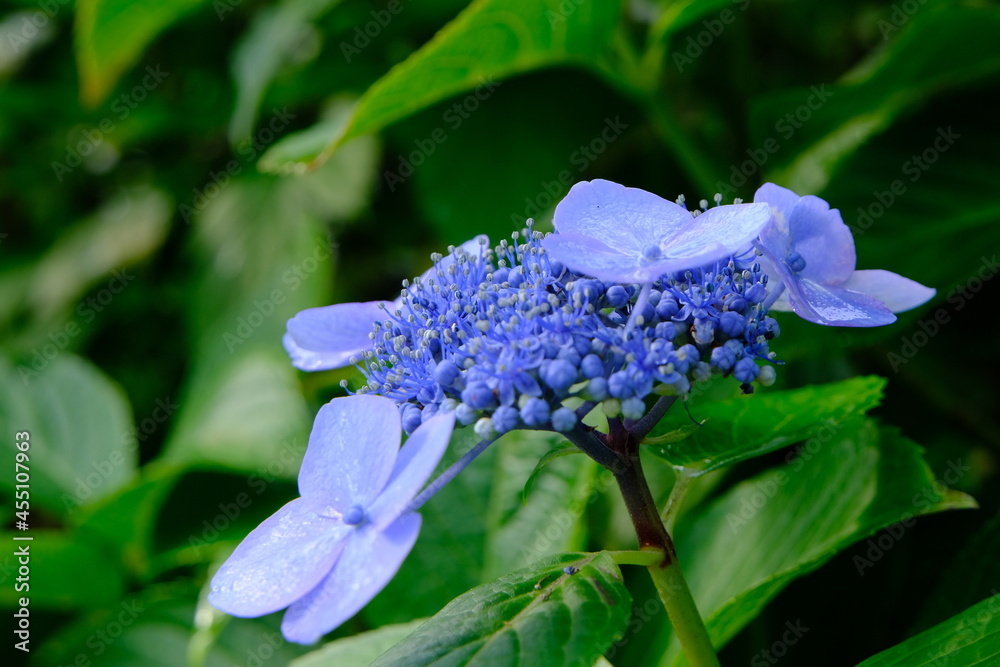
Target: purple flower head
{"type": "Point", "coordinates": [326, 554]}
{"type": "Point", "coordinates": [809, 258]}
{"type": "Point", "coordinates": [320, 339]}
{"type": "Point", "coordinates": [612, 232]}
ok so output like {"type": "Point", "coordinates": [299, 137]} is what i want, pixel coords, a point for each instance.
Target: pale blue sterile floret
{"type": "Point", "coordinates": [628, 235]}
{"type": "Point", "coordinates": [809, 257]}
{"type": "Point", "coordinates": [326, 554]}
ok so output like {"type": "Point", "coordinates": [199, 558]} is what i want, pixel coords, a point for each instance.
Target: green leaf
{"type": "Point", "coordinates": [153, 628]}
{"type": "Point", "coordinates": [268, 44]}
{"type": "Point", "coordinates": [126, 520]}
{"type": "Point", "coordinates": [112, 34]}
{"type": "Point", "coordinates": [943, 48]}
{"type": "Point", "coordinates": [489, 40]}
{"type": "Point", "coordinates": [65, 572]}
{"type": "Point", "coordinates": [745, 427]}
{"type": "Point", "coordinates": [265, 254]}
{"type": "Point", "coordinates": [539, 615]}
{"type": "Point", "coordinates": [970, 639]}
{"type": "Point", "coordinates": [519, 533]}
{"type": "Point", "coordinates": [454, 531]}
{"type": "Point", "coordinates": [562, 448]}
{"type": "Point", "coordinates": [788, 521]}
{"type": "Point", "coordinates": [360, 649]}
{"type": "Point", "coordinates": [82, 443]}
{"type": "Point", "coordinates": [974, 569]}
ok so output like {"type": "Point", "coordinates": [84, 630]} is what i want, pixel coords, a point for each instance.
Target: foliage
{"type": "Point", "coordinates": [179, 178]}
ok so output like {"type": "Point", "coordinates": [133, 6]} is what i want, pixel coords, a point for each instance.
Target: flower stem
{"type": "Point", "coordinates": [448, 475]}
{"type": "Point", "coordinates": [666, 574]}
{"type": "Point", "coordinates": [618, 451]}
{"type": "Point", "coordinates": [683, 612]}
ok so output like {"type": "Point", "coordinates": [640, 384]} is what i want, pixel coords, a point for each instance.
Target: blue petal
{"type": "Point", "coordinates": [369, 562]}
{"type": "Point", "coordinates": [417, 460]}
{"type": "Point", "coordinates": [591, 257]}
{"type": "Point", "coordinates": [776, 196]}
{"type": "Point", "coordinates": [899, 294]}
{"type": "Point", "coordinates": [836, 306]}
{"type": "Point", "coordinates": [280, 561]}
{"type": "Point", "coordinates": [819, 234]}
{"type": "Point", "coordinates": [624, 219]}
{"type": "Point", "coordinates": [351, 453]}
{"type": "Point", "coordinates": [324, 338]}
{"type": "Point", "coordinates": [716, 234]}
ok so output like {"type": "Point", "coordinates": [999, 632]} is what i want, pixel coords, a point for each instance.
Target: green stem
{"type": "Point", "coordinates": [683, 611]}
{"type": "Point", "coordinates": [643, 558]}
{"type": "Point", "coordinates": [618, 451]}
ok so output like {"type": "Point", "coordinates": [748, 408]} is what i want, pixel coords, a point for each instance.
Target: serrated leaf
{"type": "Point", "coordinates": [360, 649]}
{"type": "Point", "coordinates": [970, 639]}
{"type": "Point", "coordinates": [745, 427]}
{"type": "Point", "coordinates": [489, 40]}
{"type": "Point", "coordinates": [862, 480]}
{"type": "Point", "coordinates": [540, 615]}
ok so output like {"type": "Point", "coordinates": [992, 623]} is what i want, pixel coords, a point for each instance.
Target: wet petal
{"type": "Point", "coordinates": [369, 562]}
{"type": "Point", "coordinates": [416, 461]}
{"type": "Point", "coordinates": [624, 219]}
{"type": "Point", "coordinates": [819, 234]}
{"type": "Point", "coordinates": [899, 294]}
{"type": "Point", "coordinates": [836, 306]}
{"type": "Point", "coordinates": [280, 561]}
{"type": "Point", "coordinates": [716, 234]}
{"type": "Point", "coordinates": [351, 453]}
{"type": "Point", "coordinates": [324, 338]}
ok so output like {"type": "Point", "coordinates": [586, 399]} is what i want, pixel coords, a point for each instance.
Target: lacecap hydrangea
{"type": "Point", "coordinates": [633, 296]}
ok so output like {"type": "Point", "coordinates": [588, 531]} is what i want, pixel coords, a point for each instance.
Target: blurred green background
{"type": "Point", "coordinates": [177, 178]}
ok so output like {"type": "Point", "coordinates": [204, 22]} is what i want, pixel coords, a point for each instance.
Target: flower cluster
{"type": "Point", "coordinates": [632, 296]}
{"type": "Point", "coordinates": [504, 335]}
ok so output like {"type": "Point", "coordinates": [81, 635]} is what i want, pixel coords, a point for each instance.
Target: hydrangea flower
{"type": "Point", "coordinates": [809, 257]}
{"type": "Point", "coordinates": [326, 554]}
{"type": "Point", "coordinates": [612, 232]}
{"type": "Point", "coordinates": [504, 335]}
{"type": "Point", "coordinates": [323, 338]}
